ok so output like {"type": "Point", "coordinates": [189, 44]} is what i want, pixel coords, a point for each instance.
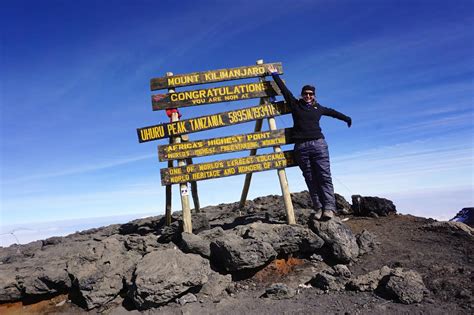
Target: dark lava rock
{"type": "Point", "coordinates": [200, 243]}
{"type": "Point", "coordinates": [9, 290]}
{"type": "Point", "coordinates": [327, 282]}
{"type": "Point", "coordinates": [367, 206]}
{"type": "Point", "coordinates": [332, 279]}
{"type": "Point", "coordinates": [231, 252]}
{"type": "Point", "coordinates": [143, 226]}
{"type": "Point", "coordinates": [162, 276]}
{"type": "Point", "coordinates": [99, 270]}
{"type": "Point", "coordinates": [285, 239]}
{"type": "Point", "coordinates": [216, 285]}
{"type": "Point", "coordinates": [367, 242]}
{"type": "Point", "coordinates": [279, 291]}
{"type": "Point", "coordinates": [466, 216]}
{"type": "Point", "coordinates": [369, 281]}
{"type": "Point", "coordinates": [170, 233]}
{"type": "Point", "coordinates": [338, 238]}
{"type": "Point", "coordinates": [301, 200]}
{"type": "Point", "coordinates": [195, 244]}
{"type": "Point", "coordinates": [342, 205]}
{"type": "Point", "coordinates": [406, 287]}
{"type": "Point", "coordinates": [200, 222]}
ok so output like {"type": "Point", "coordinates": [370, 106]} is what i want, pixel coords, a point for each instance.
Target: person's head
{"type": "Point", "coordinates": [308, 93]}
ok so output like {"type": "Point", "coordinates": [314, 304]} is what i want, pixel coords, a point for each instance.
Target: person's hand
{"type": "Point", "coordinates": [272, 69]}
{"type": "Point", "coordinates": [349, 122]}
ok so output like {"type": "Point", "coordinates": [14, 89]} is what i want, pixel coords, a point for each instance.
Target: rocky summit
{"type": "Point", "coordinates": [369, 259]}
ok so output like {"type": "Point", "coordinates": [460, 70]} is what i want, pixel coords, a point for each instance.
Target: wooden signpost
{"type": "Point", "coordinates": [184, 151]}
{"type": "Point", "coordinates": [223, 168]}
{"type": "Point", "coordinates": [213, 76]}
{"type": "Point", "coordinates": [203, 123]}
{"type": "Point", "coordinates": [215, 95]}
{"type": "Point", "coordinates": [228, 144]}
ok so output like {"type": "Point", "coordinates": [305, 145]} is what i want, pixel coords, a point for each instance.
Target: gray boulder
{"type": "Point", "coordinates": [406, 287]}
{"type": "Point", "coordinates": [327, 282]}
{"type": "Point", "coordinates": [39, 277]}
{"type": "Point", "coordinates": [368, 206]}
{"type": "Point", "coordinates": [9, 290]}
{"type": "Point", "coordinates": [99, 270]}
{"type": "Point", "coordinates": [369, 281]}
{"type": "Point", "coordinates": [162, 276]}
{"type": "Point", "coordinates": [216, 285]}
{"type": "Point", "coordinates": [232, 253]}
{"type": "Point", "coordinates": [285, 239]}
{"type": "Point", "coordinates": [332, 279]}
{"type": "Point", "coordinates": [367, 242]}
{"type": "Point", "coordinates": [195, 244]}
{"type": "Point", "coordinates": [338, 238]}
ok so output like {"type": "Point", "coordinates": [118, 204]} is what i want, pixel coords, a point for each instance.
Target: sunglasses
{"type": "Point", "coordinates": [308, 93]}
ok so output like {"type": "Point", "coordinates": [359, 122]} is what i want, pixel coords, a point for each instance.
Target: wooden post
{"type": "Point", "coordinates": [183, 187]}
{"type": "Point", "coordinates": [290, 214]}
{"type": "Point", "coordinates": [168, 202]}
{"type": "Point", "coordinates": [194, 190]}
{"type": "Point", "coordinates": [168, 197]}
{"type": "Point", "coordinates": [258, 127]}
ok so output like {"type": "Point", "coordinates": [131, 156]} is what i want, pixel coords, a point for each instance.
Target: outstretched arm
{"type": "Point", "coordinates": [289, 98]}
{"type": "Point", "coordinates": [338, 115]}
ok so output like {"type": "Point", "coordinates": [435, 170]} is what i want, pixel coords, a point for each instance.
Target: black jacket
{"type": "Point", "coordinates": [306, 118]}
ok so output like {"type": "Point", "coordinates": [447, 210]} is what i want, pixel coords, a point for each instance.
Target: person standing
{"type": "Point", "coordinates": [311, 150]}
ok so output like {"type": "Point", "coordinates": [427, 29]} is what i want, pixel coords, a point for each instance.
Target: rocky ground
{"type": "Point", "coordinates": [368, 261]}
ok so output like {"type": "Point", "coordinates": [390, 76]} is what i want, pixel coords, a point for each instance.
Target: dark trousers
{"type": "Point", "coordinates": [313, 159]}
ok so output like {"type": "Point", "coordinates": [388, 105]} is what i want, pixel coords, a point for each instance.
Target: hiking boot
{"type": "Point", "coordinates": [328, 215]}
{"type": "Point", "coordinates": [318, 214]}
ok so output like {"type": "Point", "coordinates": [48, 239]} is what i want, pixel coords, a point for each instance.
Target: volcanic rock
{"type": "Point", "coordinates": [338, 238]}
{"type": "Point", "coordinates": [231, 252]}
{"type": "Point", "coordinates": [368, 206]}
{"type": "Point", "coordinates": [406, 287]}
{"type": "Point", "coordinates": [99, 269]}
{"type": "Point", "coordinates": [332, 279]}
{"type": "Point", "coordinates": [342, 205]}
{"type": "Point", "coordinates": [165, 275]}
{"type": "Point", "coordinates": [285, 239]}
{"type": "Point", "coordinates": [367, 242]}
{"type": "Point", "coordinates": [216, 285]}
{"type": "Point", "coordinates": [195, 244]}
{"type": "Point", "coordinates": [369, 281]}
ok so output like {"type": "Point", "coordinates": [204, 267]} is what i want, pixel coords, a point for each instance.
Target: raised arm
{"type": "Point", "coordinates": [338, 115]}
{"type": "Point", "coordinates": [289, 98]}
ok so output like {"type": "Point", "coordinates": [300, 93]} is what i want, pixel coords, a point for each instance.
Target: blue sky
{"type": "Point", "coordinates": [75, 86]}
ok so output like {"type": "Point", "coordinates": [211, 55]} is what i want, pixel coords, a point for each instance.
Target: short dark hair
{"type": "Point", "coordinates": [308, 87]}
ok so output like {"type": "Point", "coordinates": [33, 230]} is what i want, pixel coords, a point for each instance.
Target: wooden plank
{"type": "Point", "coordinates": [224, 168]}
{"type": "Point", "coordinates": [211, 76]}
{"type": "Point", "coordinates": [218, 120]}
{"type": "Point", "coordinates": [215, 95]}
{"type": "Point", "coordinates": [227, 144]}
